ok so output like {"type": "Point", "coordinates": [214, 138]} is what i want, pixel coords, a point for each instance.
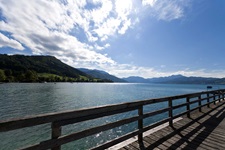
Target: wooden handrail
{"type": "Point", "coordinates": [60, 119]}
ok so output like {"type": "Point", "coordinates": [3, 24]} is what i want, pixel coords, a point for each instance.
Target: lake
{"type": "Point", "coordinates": [25, 99]}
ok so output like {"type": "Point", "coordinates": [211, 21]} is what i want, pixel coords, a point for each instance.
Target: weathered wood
{"type": "Point", "coordinates": [203, 131]}
{"type": "Point", "coordinates": [188, 107]}
{"type": "Point", "coordinates": [208, 99]}
{"type": "Point", "coordinates": [170, 105]}
{"type": "Point", "coordinates": [214, 98]}
{"type": "Point", "coordinates": [56, 133]}
{"type": "Point", "coordinates": [116, 141]}
{"type": "Point", "coordinates": [140, 124]}
{"type": "Point", "coordinates": [155, 124]}
{"type": "Point", "coordinates": [200, 103]}
{"type": "Point", "coordinates": [219, 97]}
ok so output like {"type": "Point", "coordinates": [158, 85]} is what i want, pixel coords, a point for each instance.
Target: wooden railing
{"type": "Point", "coordinates": [58, 120]}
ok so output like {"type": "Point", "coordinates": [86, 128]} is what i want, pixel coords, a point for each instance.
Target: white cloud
{"type": "Point", "coordinates": [125, 70]}
{"type": "Point", "coordinates": [44, 27]}
{"type": "Point", "coordinates": [166, 9]}
{"type": "Point", "coordinates": [5, 41]}
{"type": "Point", "coordinates": [55, 28]}
{"type": "Point", "coordinates": [101, 14]}
{"type": "Point", "coordinates": [125, 26]}
{"type": "Point", "coordinates": [149, 2]}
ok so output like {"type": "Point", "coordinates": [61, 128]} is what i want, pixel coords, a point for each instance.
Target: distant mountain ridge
{"type": "Point", "coordinates": [177, 79]}
{"type": "Point", "coordinates": [101, 74]}
{"type": "Point", "coordinates": [20, 68]}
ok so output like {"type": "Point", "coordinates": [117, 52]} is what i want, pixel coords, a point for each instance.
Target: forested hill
{"type": "Point", "coordinates": [101, 74]}
{"type": "Point", "coordinates": [20, 68]}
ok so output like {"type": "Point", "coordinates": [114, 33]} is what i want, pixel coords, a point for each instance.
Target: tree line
{"type": "Point", "coordinates": [33, 76]}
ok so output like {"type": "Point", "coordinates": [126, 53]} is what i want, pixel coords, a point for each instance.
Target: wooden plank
{"type": "Point", "coordinates": [137, 145]}
{"type": "Point", "coordinates": [190, 134]}
{"type": "Point", "coordinates": [173, 139]}
{"type": "Point", "coordinates": [201, 139]}
{"type": "Point", "coordinates": [160, 145]}
{"type": "Point", "coordinates": [153, 144]}
{"type": "Point", "coordinates": [220, 134]}
{"type": "Point", "coordinates": [208, 131]}
{"type": "Point", "coordinates": [131, 147]}
{"type": "Point", "coordinates": [182, 137]}
{"type": "Point", "coordinates": [155, 124]}
{"type": "Point", "coordinates": [116, 141]}
{"type": "Point", "coordinates": [177, 141]}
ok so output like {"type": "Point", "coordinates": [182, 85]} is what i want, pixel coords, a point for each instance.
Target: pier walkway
{"type": "Point", "coordinates": [203, 130]}
{"type": "Point", "coordinates": [202, 126]}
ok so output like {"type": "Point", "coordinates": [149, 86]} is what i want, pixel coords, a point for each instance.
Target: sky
{"type": "Point", "coordinates": [147, 38]}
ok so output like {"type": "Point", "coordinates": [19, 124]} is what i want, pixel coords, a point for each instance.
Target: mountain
{"type": "Point", "coordinates": [20, 68]}
{"type": "Point", "coordinates": [177, 79]}
{"type": "Point", "coordinates": [101, 75]}
{"type": "Point", "coordinates": [135, 79]}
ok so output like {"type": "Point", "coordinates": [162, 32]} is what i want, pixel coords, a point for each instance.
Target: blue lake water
{"type": "Point", "coordinates": [25, 99]}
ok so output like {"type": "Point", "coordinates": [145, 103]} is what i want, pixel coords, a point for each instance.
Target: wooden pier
{"type": "Point", "coordinates": [203, 130]}
{"type": "Point", "coordinates": [202, 126]}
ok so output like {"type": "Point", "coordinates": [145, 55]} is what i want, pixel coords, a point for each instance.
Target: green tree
{"type": "Point", "coordinates": [8, 72]}
{"type": "Point", "coordinates": [2, 75]}
{"type": "Point", "coordinates": [31, 76]}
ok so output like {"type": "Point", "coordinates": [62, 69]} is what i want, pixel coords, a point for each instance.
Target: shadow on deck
{"type": "Point", "coordinates": [203, 130]}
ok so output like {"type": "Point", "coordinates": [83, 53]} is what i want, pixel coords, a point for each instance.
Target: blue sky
{"type": "Point", "coordinates": [148, 38]}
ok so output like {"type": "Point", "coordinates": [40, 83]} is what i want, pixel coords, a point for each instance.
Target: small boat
{"type": "Point", "coordinates": [209, 87]}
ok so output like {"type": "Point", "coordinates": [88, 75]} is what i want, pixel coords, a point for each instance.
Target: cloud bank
{"type": "Point", "coordinates": [78, 32]}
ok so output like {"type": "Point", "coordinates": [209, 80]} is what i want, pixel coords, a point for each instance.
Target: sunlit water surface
{"type": "Point", "coordinates": [26, 99]}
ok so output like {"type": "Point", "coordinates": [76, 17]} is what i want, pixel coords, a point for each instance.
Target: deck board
{"type": "Point", "coordinates": [203, 131]}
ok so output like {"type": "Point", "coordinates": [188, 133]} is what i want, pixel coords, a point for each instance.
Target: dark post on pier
{"type": "Point", "coordinates": [200, 124]}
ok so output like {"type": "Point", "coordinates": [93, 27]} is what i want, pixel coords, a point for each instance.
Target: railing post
{"type": "Point", "coordinates": [200, 103]}
{"type": "Point", "coordinates": [208, 100]}
{"type": "Point", "coordinates": [170, 104]}
{"type": "Point", "coordinates": [214, 98]}
{"type": "Point", "coordinates": [219, 97]}
{"type": "Point", "coordinates": [188, 106]}
{"type": "Point", "coordinates": [140, 124]}
{"type": "Point", "coordinates": [56, 133]}
{"type": "Point", "coordinates": [223, 95]}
